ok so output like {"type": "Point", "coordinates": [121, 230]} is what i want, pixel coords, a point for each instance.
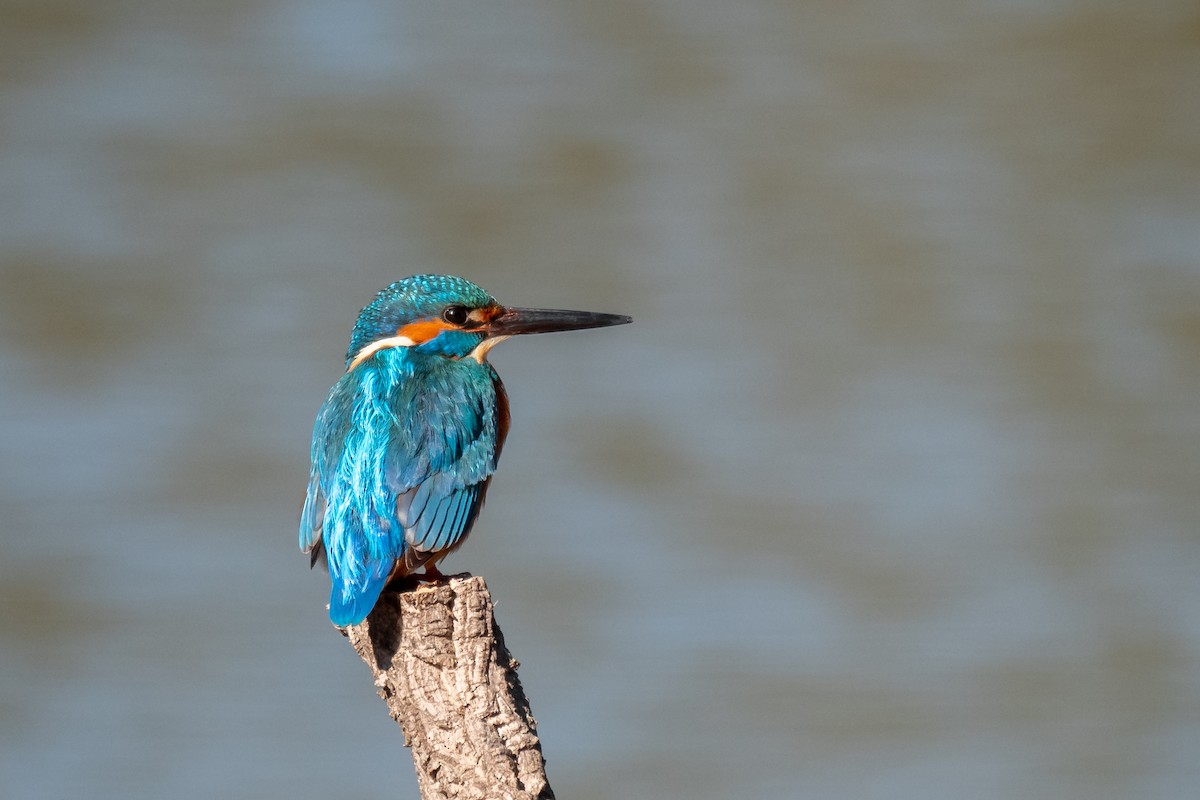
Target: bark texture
{"type": "Point", "coordinates": [440, 663]}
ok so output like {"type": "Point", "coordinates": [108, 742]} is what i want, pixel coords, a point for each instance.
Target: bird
{"type": "Point", "coordinates": [405, 445]}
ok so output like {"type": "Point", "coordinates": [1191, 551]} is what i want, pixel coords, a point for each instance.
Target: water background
{"type": "Point", "coordinates": [890, 492]}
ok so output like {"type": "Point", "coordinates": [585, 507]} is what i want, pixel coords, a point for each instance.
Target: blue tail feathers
{"type": "Point", "coordinates": [345, 611]}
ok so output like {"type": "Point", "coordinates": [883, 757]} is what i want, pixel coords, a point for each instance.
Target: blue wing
{"type": "Point", "coordinates": [436, 515]}
{"type": "Point", "coordinates": [401, 463]}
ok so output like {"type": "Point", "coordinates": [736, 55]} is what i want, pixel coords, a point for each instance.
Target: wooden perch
{"type": "Point", "coordinates": [440, 663]}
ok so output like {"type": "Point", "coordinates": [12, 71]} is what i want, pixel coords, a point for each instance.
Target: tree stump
{"type": "Point", "coordinates": [440, 663]}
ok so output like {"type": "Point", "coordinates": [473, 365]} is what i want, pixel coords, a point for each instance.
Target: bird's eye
{"type": "Point", "coordinates": [455, 315]}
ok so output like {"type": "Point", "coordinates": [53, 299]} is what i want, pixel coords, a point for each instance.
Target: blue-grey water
{"type": "Point", "coordinates": [891, 491]}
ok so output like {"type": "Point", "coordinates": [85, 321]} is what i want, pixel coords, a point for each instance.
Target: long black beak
{"type": "Point", "coordinates": [514, 321]}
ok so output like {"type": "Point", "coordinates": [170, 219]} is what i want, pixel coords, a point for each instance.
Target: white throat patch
{"type": "Point", "coordinates": [479, 353]}
{"type": "Point", "coordinates": [481, 350]}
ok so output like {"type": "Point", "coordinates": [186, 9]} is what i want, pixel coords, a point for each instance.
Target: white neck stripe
{"type": "Point", "coordinates": [377, 345]}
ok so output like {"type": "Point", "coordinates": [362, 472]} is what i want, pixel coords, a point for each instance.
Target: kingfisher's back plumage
{"type": "Point", "coordinates": [406, 443]}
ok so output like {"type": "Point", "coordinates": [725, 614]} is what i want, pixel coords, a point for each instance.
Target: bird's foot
{"type": "Point", "coordinates": [431, 576]}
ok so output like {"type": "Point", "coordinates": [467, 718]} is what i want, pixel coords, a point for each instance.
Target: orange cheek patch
{"type": "Point", "coordinates": [423, 331]}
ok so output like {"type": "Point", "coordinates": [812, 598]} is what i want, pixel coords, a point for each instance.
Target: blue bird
{"type": "Point", "coordinates": [405, 445]}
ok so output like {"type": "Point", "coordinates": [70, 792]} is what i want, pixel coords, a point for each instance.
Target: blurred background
{"type": "Point", "coordinates": [891, 491]}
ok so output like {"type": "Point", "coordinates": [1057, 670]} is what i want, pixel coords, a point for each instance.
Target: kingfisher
{"type": "Point", "coordinates": [406, 443]}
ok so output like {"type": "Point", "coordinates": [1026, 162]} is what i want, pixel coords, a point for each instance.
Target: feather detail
{"type": "Point", "coordinates": [404, 448]}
